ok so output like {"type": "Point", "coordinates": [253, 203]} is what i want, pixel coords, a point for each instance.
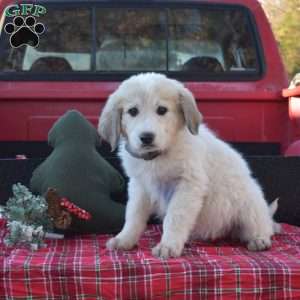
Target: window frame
{"type": "Point", "coordinates": [94, 75]}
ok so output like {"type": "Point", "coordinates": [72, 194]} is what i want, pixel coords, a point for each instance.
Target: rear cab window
{"type": "Point", "coordinates": [96, 41]}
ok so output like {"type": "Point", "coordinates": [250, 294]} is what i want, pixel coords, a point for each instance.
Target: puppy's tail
{"type": "Point", "coordinates": [272, 210]}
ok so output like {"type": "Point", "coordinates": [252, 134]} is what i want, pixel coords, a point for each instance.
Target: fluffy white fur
{"type": "Point", "coordinates": [198, 184]}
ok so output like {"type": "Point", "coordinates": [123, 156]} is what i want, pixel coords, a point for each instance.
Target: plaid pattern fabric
{"type": "Point", "coordinates": [81, 268]}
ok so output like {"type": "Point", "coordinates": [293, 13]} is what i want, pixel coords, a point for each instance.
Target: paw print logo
{"type": "Point", "coordinates": [24, 31]}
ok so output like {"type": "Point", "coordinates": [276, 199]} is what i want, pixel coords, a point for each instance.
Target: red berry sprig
{"type": "Point", "coordinates": [74, 209]}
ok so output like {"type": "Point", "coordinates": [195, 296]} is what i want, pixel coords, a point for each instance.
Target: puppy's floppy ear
{"type": "Point", "coordinates": [191, 114]}
{"type": "Point", "coordinates": [109, 126]}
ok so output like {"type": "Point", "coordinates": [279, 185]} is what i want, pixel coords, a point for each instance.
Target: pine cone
{"type": "Point", "coordinates": [60, 217]}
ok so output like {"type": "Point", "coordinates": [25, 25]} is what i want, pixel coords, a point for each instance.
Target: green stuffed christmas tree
{"type": "Point", "coordinates": [81, 175]}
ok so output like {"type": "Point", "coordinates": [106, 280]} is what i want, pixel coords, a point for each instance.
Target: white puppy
{"type": "Point", "coordinates": [179, 170]}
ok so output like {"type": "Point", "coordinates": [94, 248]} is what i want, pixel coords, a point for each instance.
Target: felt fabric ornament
{"type": "Point", "coordinates": [77, 172]}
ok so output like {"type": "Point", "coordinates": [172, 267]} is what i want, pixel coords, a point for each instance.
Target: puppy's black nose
{"type": "Point", "coordinates": [147, 138]}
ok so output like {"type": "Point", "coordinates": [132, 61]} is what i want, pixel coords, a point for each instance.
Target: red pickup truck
{"type": "Point", "coordinates": [59, 55]}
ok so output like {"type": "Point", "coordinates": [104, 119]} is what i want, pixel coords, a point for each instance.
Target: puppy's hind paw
{"type": "Point", "coordinates": [116, 243]}
{"type": "Point", "coordinates": [259, 244]}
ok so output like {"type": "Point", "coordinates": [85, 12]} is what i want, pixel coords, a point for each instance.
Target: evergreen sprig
{"type": "Point", "coordinates": [27, 218]}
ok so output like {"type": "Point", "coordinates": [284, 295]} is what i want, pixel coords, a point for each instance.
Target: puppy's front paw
{"type": "Point", "coordinates": [118, 243]}
{"type": "Point", "coordinates": [165, 250]}
{"type": "Point", "coordinates": [259, 244]}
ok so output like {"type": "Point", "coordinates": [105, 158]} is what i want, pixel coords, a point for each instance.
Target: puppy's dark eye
{"type": "Point", "coordinates": [133, 111]}
{"type": "Point", "coordinates": [161, 110]}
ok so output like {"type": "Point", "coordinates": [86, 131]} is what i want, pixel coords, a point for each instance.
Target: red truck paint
{"type": "Point", "coordinates": [253, 111]}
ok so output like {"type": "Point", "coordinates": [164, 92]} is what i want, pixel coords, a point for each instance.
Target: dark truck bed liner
{"type": "Point", "coordinates": [278, 175]}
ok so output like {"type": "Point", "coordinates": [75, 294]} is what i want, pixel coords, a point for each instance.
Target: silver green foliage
{"type": "Point", "coordinates": [27, 219]}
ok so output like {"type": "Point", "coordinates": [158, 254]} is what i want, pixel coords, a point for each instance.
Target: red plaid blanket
{"type": "Point", "coordinates": [81, 268]}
